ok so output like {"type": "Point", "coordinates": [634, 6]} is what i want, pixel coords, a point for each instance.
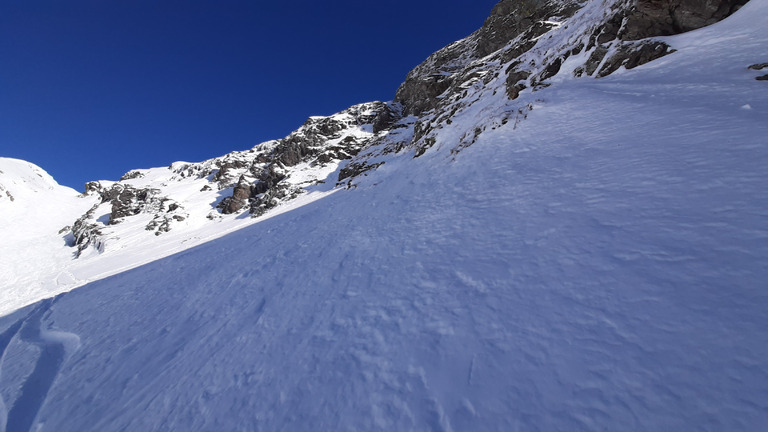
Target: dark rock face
{"type": "Point", "coordinates": [356, 168]}
{"type": "Point", "coordinates": [86, 232]}
{"type": "Point", "coordinates": [641, 19]}
{"type": "Point", "coordinates": [628, 55]}
{"type": "Point", "coordinates": [668, 17]}
{"type": "Point", "coordinates": [419, 93]}
{"type": "Point", "coordinates": [319, 141]}
{"type": "Point", "coordinates": [239, 199]}
{"type": "Point", "coordinates": [512, 18]}
{"type": "Point", "coordinates": [129, 201]}
{"type": "Point", "coordinates": [757, 67]}
{"type": "Point", "coordinates": [513, 44]}
{"type": "Point", "coordinates": [515, 81]}
{"type": "Point", "coordinates": [509, 19]}
{"type": "Point", "coordinates": [619, 34]}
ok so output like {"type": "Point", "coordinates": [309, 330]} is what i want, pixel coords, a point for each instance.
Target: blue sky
{"type": "Point", "coordinates": [92, 89]}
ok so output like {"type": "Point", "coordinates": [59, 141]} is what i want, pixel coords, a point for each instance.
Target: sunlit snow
{"type": "Point", "coordinates": [598, 265]}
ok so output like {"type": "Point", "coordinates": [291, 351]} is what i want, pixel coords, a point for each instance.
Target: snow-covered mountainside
{"type": "Point", "coordinates": [36, 241]}
{"type": "Point", "coordinates": [558, 224]}
{"type": "Point", "coordinates": [152, 213]}
{"type": "Point", "coordinates": [523, 47]}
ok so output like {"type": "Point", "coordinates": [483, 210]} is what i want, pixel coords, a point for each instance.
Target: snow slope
{"type": "Point", "coordinates": [34, 213]}
{"type": "Point", "coordinates": [57, 240]}
{"type": "Point", "coordinates": [599, 264]}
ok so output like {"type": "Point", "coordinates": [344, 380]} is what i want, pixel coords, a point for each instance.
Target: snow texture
{"type": "Point", "coordinates": [597, 264]}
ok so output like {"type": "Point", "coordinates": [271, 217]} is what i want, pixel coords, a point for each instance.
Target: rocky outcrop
{"type": "Point", "coordinates": [627, 55]}
{"type": "Point", "coordinates": [757, 67]}
{"type": "Point", "coordinates": [648, 18]}
{"type": "Point", "coordinates": [130, 175]}
{"type": "Point", "coordinates": [614, 41]}
{"type": "Point", "coordinates": [509, 20]}
{"type": "Point", "coordinates": [87, 232]}
{"type": "Point", "coordinates": [263, 182]}
{"type": "Point", "coordinates": [123, 201]}
{"type": "Point", "coordinates": [128, 201]}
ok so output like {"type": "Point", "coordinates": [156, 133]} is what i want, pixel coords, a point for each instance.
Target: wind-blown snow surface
{"type": "Point", "coordinates": [600, 265]}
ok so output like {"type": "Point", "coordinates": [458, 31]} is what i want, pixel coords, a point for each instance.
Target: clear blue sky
{"type": "Point", "coordinates": [92, 89]}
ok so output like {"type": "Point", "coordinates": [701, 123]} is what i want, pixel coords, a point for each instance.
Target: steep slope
{"type": "Point", "coordinates": [595, 262]}
{"type": "Point", "coordinates": [481, 82]}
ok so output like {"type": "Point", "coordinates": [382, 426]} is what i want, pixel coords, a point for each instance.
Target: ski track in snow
{"type": "Point", "coordinates": [54, 347]}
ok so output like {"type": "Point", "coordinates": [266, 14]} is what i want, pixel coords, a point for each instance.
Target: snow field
{"type": "Point", "coordinates": [599, 265]}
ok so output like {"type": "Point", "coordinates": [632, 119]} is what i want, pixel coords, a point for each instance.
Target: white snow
{"type": "Point", "coordinates": [39, 262]}
{"type": "Point", "coordinates": [597, 265]}
{"type": "Point", "coordinates": [33, 209]}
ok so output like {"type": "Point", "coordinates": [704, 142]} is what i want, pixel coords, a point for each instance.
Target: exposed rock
{"type": "Point", "coordinates": [272, 198]}
{"type": "Point", "coordinates": [649, 18]}
{"type": "Point", "coordinates": [420, 93]}
{"type": "Point", "coordinates": [131, 175]}
{"type": "Point", "coordinates": [385, 118]}
{"type": "Point", "coordinates": [516, 82]}
{"type": "Point", "coordinates": [757, 67]}
{"type": "Point", "coordinates": [509, 19]}
{"type": "Point", "coordinates": [354, 169]}
{"type": "Point", "coordinates": [87, 233]}
{"type": "Point", "coordinates": [632, 55]}
{"type": "Point", "coordinates": [319, 141]}
{"type": "Point", "coordinates": [162, 223]}
{"type": "Point", "coordinates": [227, 172]}
{"type": "Point", "coordinates": [129, 201]}
{"type": "Point", "coordinates": [239, 199]}
{"type": "Point", "coordinates": [93, 187]}
{"type": "Point", "coordinates": [595, 59]}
